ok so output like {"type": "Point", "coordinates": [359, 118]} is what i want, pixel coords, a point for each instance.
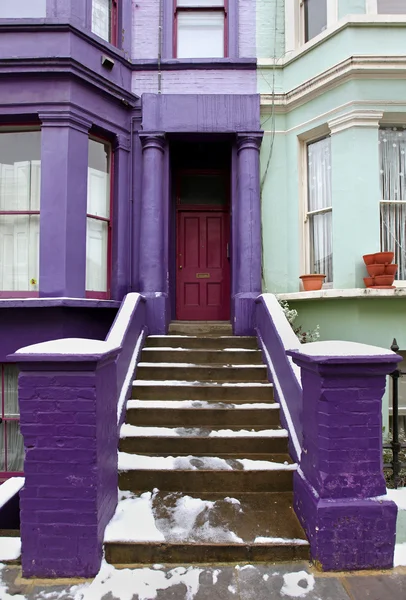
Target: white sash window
{"type": "Point", "coordinates": [20, 175]}
{"type": "Point", "coordinates": [104, 19]}
{"type": "Point", "coordinates": [200, 28]}
{"type": "Point", "coordinates": [11, 440]}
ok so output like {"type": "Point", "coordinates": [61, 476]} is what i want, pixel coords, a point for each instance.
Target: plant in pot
{"type": "Point", "coordinates": [313, 281]}
{"type": "Point", "coordinates": [380, 270]}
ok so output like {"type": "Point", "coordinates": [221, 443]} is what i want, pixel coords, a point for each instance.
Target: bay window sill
{"type": "Point", "coordinates": [51, 302]}
{"type": "Point", "coordinates": [325, 294]}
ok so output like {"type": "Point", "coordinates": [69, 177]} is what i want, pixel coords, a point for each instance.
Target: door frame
{"type": "Point", "coordinates": [226, 208]}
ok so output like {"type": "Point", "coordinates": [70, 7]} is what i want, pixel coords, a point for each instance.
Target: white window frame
{"type": "Point", "coordinates": [304, 140]}
{"type": "Point", "coordinates": [295, 24]}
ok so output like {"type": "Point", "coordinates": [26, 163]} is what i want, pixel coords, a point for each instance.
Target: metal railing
{"type": "Point", "coordinates": [394, 445]}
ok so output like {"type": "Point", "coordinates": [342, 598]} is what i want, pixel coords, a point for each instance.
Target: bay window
{"type": "Point", "coordinates": [391, 7]}
{"type": "Point", "coordinates": [392, 152]}
{"type": "Point", "coordinates": [314, 18]}
{"type": "Point", "coordinates": [319, 208]}
{"type": "Point", "coordinates": [98, 219]}
{"type": "Point", "coordinates": [104, 19]}
{"type": "Point", "coordinates": [200, 28]}
{"type": "Point", "coordinates": [11, 440]}
{"type": "Point", "coordinates": [20, 174]}
{"type": "Point", "coordinates": [23, 9]}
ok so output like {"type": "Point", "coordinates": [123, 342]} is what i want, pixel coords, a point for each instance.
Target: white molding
{"type": "Point", "coordinates": [363, 293]}
{"type": "Point", "coordinates": [332, 13]}
{"type": "Point", "coordinates": [291, 25]}
{"type": "Point", "coordinates": [355, 118]}
{"type": "Point", "coordinates": [371, 7]}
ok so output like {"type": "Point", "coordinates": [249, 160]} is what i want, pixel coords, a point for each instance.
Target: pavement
{"type": "Point", "coordinates": [214, 582]}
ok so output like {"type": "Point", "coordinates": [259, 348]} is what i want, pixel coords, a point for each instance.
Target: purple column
{"type": "Point", "coordinates": [68, 420]}
{"type": "Point", "coordinates": [121, 220]}
{"type": "Point", "coordinates": [64, 160]}
{"type": "Point", "coordinates": [247, 246]}
{"type": "Point", "coordinates": [340, 475]}
{"type": "Point", "coordinates": [152, 232]}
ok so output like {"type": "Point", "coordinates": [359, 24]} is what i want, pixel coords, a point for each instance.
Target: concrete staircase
{"type": "Point", "coordinates": [202, 437]}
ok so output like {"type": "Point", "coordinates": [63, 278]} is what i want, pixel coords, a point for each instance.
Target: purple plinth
{"type": "Point", "coordinates": [340, 478]}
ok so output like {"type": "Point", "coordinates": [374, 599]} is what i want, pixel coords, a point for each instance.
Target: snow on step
{"type": "Point", "coordinates": [130, 462]}
{"type": "Point", "coordinates": [175, 382]}
{"type": "Point", "coordinates": [156, 365]}
{"type": "Point", "coordinates": [199, 405]}
{"type": "Point", "coordinates": [172, 432]}
{"type": "Point", "coordinates": [167, 348]}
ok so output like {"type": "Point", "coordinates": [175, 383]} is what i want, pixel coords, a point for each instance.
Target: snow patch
{"type": "Point", "coordinates": [336, 348]}
{"type": "Point", "coordinates": [133, 521]}
{"type": "Point", "coordinates": [272, 433]}
{"type": "Point", "coordinates": [10, 548]}
{"type": "Point", "coordinates": [400, 555]}
{"type": "Point", "coordinates": [199, 404]}
{"type": "Point", "coordinates": [282, 541]}
{"type": "Point", "coordinates": [10, 488]}
{"type": "Point", "coordinates": [171, 432]}
{"type": "Point", "coordinates": [397, 496]}
{"type": "Point", "coordinates": [297, 585]}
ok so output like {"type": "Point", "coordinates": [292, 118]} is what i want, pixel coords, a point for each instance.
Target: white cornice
{"type": "Point", "coordinates": [359, 67]}
{"type": "Point", "coordinates": [355, 118]}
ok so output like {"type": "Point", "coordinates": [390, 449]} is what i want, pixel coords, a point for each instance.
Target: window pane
{"type": "Point", "coordinates": [203, 189]}
{"type": "Point", "coordinates": [11, 408]}
{"type": "Point", "coordinates": [101, 18]}
{"type": "Point", "coordinates": [98, 180]}
{"type": "Point", "coordinates": [321, 245]}
{"type": "Point", "coordinates": [19, 252]}
{"type": "Point", "coordinates": [392, 151]}
{"type": "Point", "coordinates": [96, 255]}
{"type": "Point", "coordinates": [393, 234]}
{"type": "Point", "coordinates": [200, 35]}
{"type": "Point", "coordinates": [200, 3]}
{"type": "Point", "coordinates": [15, 446]}
{"type": "Point", "coordinates": [315, 17]}
{"type": "Point", "coordinates": [391, 7]}
{"type": "Point", "coordinates": [2, 447]}
{"type": "Point", "coordinates": [319, 174]}
{"type": "Point", "coordinates": [23, 9]}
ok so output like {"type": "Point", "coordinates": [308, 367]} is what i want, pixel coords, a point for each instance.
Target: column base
{"type": "Point", "coordinates": [244, 313]}
{"type": "Point", "coordinates": [158, 313]}
{"type": "Point", "coordinates": [346, 535]}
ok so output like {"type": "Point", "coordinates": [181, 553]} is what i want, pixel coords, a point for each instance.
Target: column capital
{"type": "Point", "coordinates": [122, 142]}
{"type": "Point", "coordinates": [250, 140]}
{"type": "Point", "coordinates": [153, 139]}
{"type": "Point", "coordinates": [65, 119]}
{"type": "Point", "coordinates": [355, 118]}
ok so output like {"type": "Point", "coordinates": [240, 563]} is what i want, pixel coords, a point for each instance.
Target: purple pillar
{"type": "Point", "coordinates": [340, 475]}
{"type": "Point", "coordinates": [64, 159]}
{"type": "Point", "coordinates": [121, 219]}
{"type": "Point", "coordinates": [247, 246]}
{"type": "Point", "coordinates": [152, 232]}
{"type": "Point", "coordinates": [68, 421]}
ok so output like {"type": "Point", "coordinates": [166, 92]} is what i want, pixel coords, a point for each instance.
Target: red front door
{"type": "Point", "coordinates": [202, 265]}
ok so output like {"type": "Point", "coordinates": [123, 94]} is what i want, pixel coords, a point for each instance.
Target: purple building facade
{"type": "Point", "coordinates": [128, 130]}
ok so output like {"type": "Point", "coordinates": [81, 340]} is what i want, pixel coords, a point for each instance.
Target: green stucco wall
{"type": "Point", "coordinates": [270, 28]}
{"type": "Point", "coordinates": [350, 7]}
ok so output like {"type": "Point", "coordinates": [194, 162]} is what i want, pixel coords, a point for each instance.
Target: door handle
{"type": "Point", "coordinates": [180, 267]}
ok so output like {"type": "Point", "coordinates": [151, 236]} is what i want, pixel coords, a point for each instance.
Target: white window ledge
{"type": "Point", "coordinates": [347, 293]}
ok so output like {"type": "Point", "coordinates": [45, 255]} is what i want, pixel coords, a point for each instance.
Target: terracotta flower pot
{"type": "Point", "coordinates": [391, 269]}
{"type": "Point", "coordinates": [374, 270]}
{"type": "Point", "coordinates": [384, 279]}
{"type": "Point", "coordinates": [369, 281]}
{"type": "Point", "coordinates": [383, 258]}
{"type": "Point", "coordinates": [369, 259]}
{"type": "Point", "coordinates": [312, 282]}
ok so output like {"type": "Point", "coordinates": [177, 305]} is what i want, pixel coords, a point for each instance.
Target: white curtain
{"type": "Point", "coordinates": [200, 34]}
{"type": "Point", "coordinates": [101, 18]}
{"type": "Point", "coordinates": [19, 234]}
{"type": "Point", "coordinates": [392, 151]}
{"type": "Point", "coordinates": [320, 207]}
{"type": "Point", "coordinates": [98, 204]}
{"type": "Point", "coordinates": [10, 436]}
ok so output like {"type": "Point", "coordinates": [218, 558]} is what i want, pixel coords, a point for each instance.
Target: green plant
{"type": "Point", "coordinates": [304, 336]}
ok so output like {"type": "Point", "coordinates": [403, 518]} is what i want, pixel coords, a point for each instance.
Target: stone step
{"type": "Point", "coordinates": [236, 392]}
{"type": "Point", "coordinates": [201, 343]}
{"type": "Point", "coordinates": [189, 372]}
{"type": "Point", "coordinates": [200, 328]}
{"type": "Point", "coordinates": [226, 415]}
{"type": "Point", "coordinates": [201, 441]}
{"type": "Point", "coordinates": [201, 357]}
{"type": "Point", "coordinates": [207, 528]}
{"type": "Point", "coordinates": [206, 480]}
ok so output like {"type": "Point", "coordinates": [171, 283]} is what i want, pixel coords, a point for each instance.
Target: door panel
{"type": "Point", "coordinates": [203, 269]}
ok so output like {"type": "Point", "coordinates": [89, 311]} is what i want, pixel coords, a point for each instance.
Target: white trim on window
{"type": "Point", "coordinates": [295, 24]}
{"type": "Point", "coordinates": [371, 7]}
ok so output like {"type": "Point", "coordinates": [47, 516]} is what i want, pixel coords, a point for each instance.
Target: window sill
{"type": "Point", "coordinates": [326, 294]}
{"type": "Point", "coordinates": [174, 64]}
{"type": "Point", "coordinates": [52, 302]}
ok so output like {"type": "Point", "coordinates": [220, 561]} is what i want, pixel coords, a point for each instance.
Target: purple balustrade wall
{"type": "Point", "coordinates": [337, 424]}
{"type": "Point", "coordinates": [71, 406]}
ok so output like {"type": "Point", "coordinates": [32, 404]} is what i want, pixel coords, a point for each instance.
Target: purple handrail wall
{"type": "Point", "coordinates": [275, 336]}
{"type": "Point", "coordinates": [72, 396]}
